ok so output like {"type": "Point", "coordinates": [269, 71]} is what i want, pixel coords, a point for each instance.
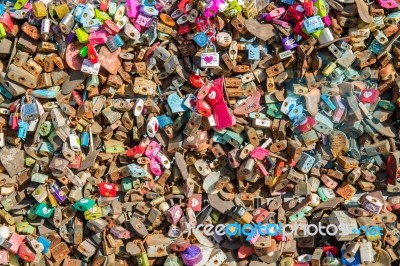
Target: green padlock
{"type": "Point", "coordinates": [45, 128]}
{"type": "Point", "coordinates": [84, 204]}
{"type": "Point", "coordinates": [82, 35]}
{"type": "Point", "coordinates": [3, 33]}
{"type": "Point", "coordinates": [83, 52]}
{"type": "Point", "coordinates": [100, 15]}
{"type": "Point", "coordinates": [44, 210]}
{"type": "Point", "coordinates": [142, 259]}
{"type": "Point", "coordinates": [29, 161]}
{"type": "Point", "coordinates": [126, 184]}
{"type": "Point", "coordinates": [215, 216]}
{"type": "Point", "coordinates": [173, 260]}
{"type": "Point", "coordinates": [31, 213]}
{"type": "Point", "coordinates": [24, 228]}
{"type": "Point", "coordinates": [274, 110]}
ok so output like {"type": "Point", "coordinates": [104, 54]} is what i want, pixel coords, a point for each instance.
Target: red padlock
{"type": "Point", "coordinates": [135, 152]}
{"type": "Point", "coordinates": [104, 4]}
{"type": "Point", "coordinates": [298, 30]}
{"type": "Point", "coordinates": [195, 202]}
{"type": "Point", "coordinates": [203, 108]}
{"type": "Point", "coordinates": [184, 28]}
{"type": "Point", "coordinates": [307, 124]}
{"type": "Point", "coordinates": [332, 249]}
{"type": "Point", "coordinates": [25, 253]}
{"type": "Point", "coordinates": [308, 7]}
{"type": "Point", "coordinates": [110, 27]}
{"type": "Point", "coordinates": [107, 189]}
{"type": "Point", "coordinates": [296, 12]}
{"type": "Point", "coordinates": [93, 56]}
{"type": "Point", "coordinates": [214, 95]}
{"type": "Point", "coordinates": [369, 96]}
{"type": "Point", "coordinates": [196, 81]}
{"type": "Point", "coordinates": [76, 163]}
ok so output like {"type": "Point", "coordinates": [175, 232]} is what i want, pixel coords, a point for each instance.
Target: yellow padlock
{"type": "Point", "coordinates": [39, 9]}
{"type": "Point", "coordinates": [61, 10]}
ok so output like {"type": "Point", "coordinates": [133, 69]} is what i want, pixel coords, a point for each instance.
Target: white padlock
{"type": "Point", "coordinates": [209, 59]}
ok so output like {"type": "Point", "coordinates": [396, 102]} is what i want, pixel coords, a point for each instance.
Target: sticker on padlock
{"type": "Point", "coordinates": [209, 59]}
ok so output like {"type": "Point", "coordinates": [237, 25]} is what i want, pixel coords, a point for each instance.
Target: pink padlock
{"type": "Point", "coordinates": [16, 241]}
{"type": "Point", "coordinates": [98, 37]}
{"type": "Point", "coordinates": [143, 20]}
{"type": "Point", "coordinates": [222, 116]}
{"type": "Point", "coordinates": [174, 214]}
{"type": "Point", "coordinates": [7, 22]}
{"type": "Point", "coordinates": [387, 3]}
{"type": "Point", "coordinates": [4, 257]}
{"type": "Point", "coordinates": [202, 93]}
{"type": "Point", "coordinates": [155, 167]}
{"type": "Point", "coordinates": [214, 95]}
{"type": "Point", "coordinates": [259, 153]}
{"type": "Point", "coordinates": [152, 149]}
{"type": "Point", "coordinates": [132, 9]}
{"type": "Point", "coordinates": [212, 8]}
{"type": "Point", "coordinates": [275, 14]}
{"type": "Point", "coordinates": [327, 21]}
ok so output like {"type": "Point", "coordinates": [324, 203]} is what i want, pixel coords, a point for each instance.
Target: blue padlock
{"type": "Point", "coordinates": [376, 47]}
{"type": "Point", "coordinates": [148, 2]}
{"type": "Point", "coordinates": [295, 112]}
{"type": "Point", "coordinates": [219, 138]}
{"type": "Point", "coordinates": [313, 24]}
{"type": "Point", "coordinates": [1, 9]}
{"type": "Point", "coordinates": [91, 25]}
{"type": "Point", "coordinates": [45, 243]}
{"type": "Point", "coordinates": [136, 170]}
{"type": "Point", "coordinates": [328, 102]}
{"type": "Point", "coordinates": [85, 140]}
{"type": "Point", "coordinates": [22, 129]}
{"type": "Point", "coordinates": [201, 39]}
{"type": "Point", "coordinates": [355, 260]}
{"type": "Point", "coordinates": [164, 120]}
{"type": "Point", "coordinates": [299, 119]}
{"type": "Point", "coordinates": [149, 10]}
{"type": "Point", "coordinates": [253, 52]}
{"type": "Point", "coordinates": [114, 42]}
{"type": "Point", "coordinates": [46, 94]}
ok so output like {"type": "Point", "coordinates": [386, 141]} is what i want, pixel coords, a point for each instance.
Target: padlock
{"type": "Point", "coordinates": [209, 59]}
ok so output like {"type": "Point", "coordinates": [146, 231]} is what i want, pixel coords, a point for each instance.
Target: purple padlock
{"type": "Point", "coordinates": [174, 214]}
{"type": "Point", "coordinates": [289, 43]}
{"type": "Point", "coordinates": [57, 193]}
{"type": "Point", "coordinates": [192, 255]}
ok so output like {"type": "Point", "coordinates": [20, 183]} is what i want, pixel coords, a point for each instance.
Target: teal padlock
{"type": "Point", "coordinates": [44, 210]}
{"type": "Point", "coordinates": [274, 110]}
{"type": "Point", "coordinates": [84, 204]}
{"type": "Point", "coordinates": [297, 216]}
{"type": "Point", "coordinates": [85, 139]}
{"type": "Point", "coordinates": [126, 184]}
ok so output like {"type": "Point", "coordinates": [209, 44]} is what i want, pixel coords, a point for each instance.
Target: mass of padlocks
{"type": "Point", "coordinates": [168, 132]}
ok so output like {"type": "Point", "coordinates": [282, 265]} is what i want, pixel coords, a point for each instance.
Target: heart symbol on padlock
{"type": "Point", "coordinates": [195, 202]}
{"type": "Point", "coordinates": [84, 201]}
{"type": "Point", "coordinates": [212, 95]}
{"type": "Point", "coordinates": [208, 59]}
{"type": "Point", "coordinates": [46, 210]}
{"type": "Point", "coordinates": [108, 186]}
{"type": "Point", "coordinates": [367, 94]}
